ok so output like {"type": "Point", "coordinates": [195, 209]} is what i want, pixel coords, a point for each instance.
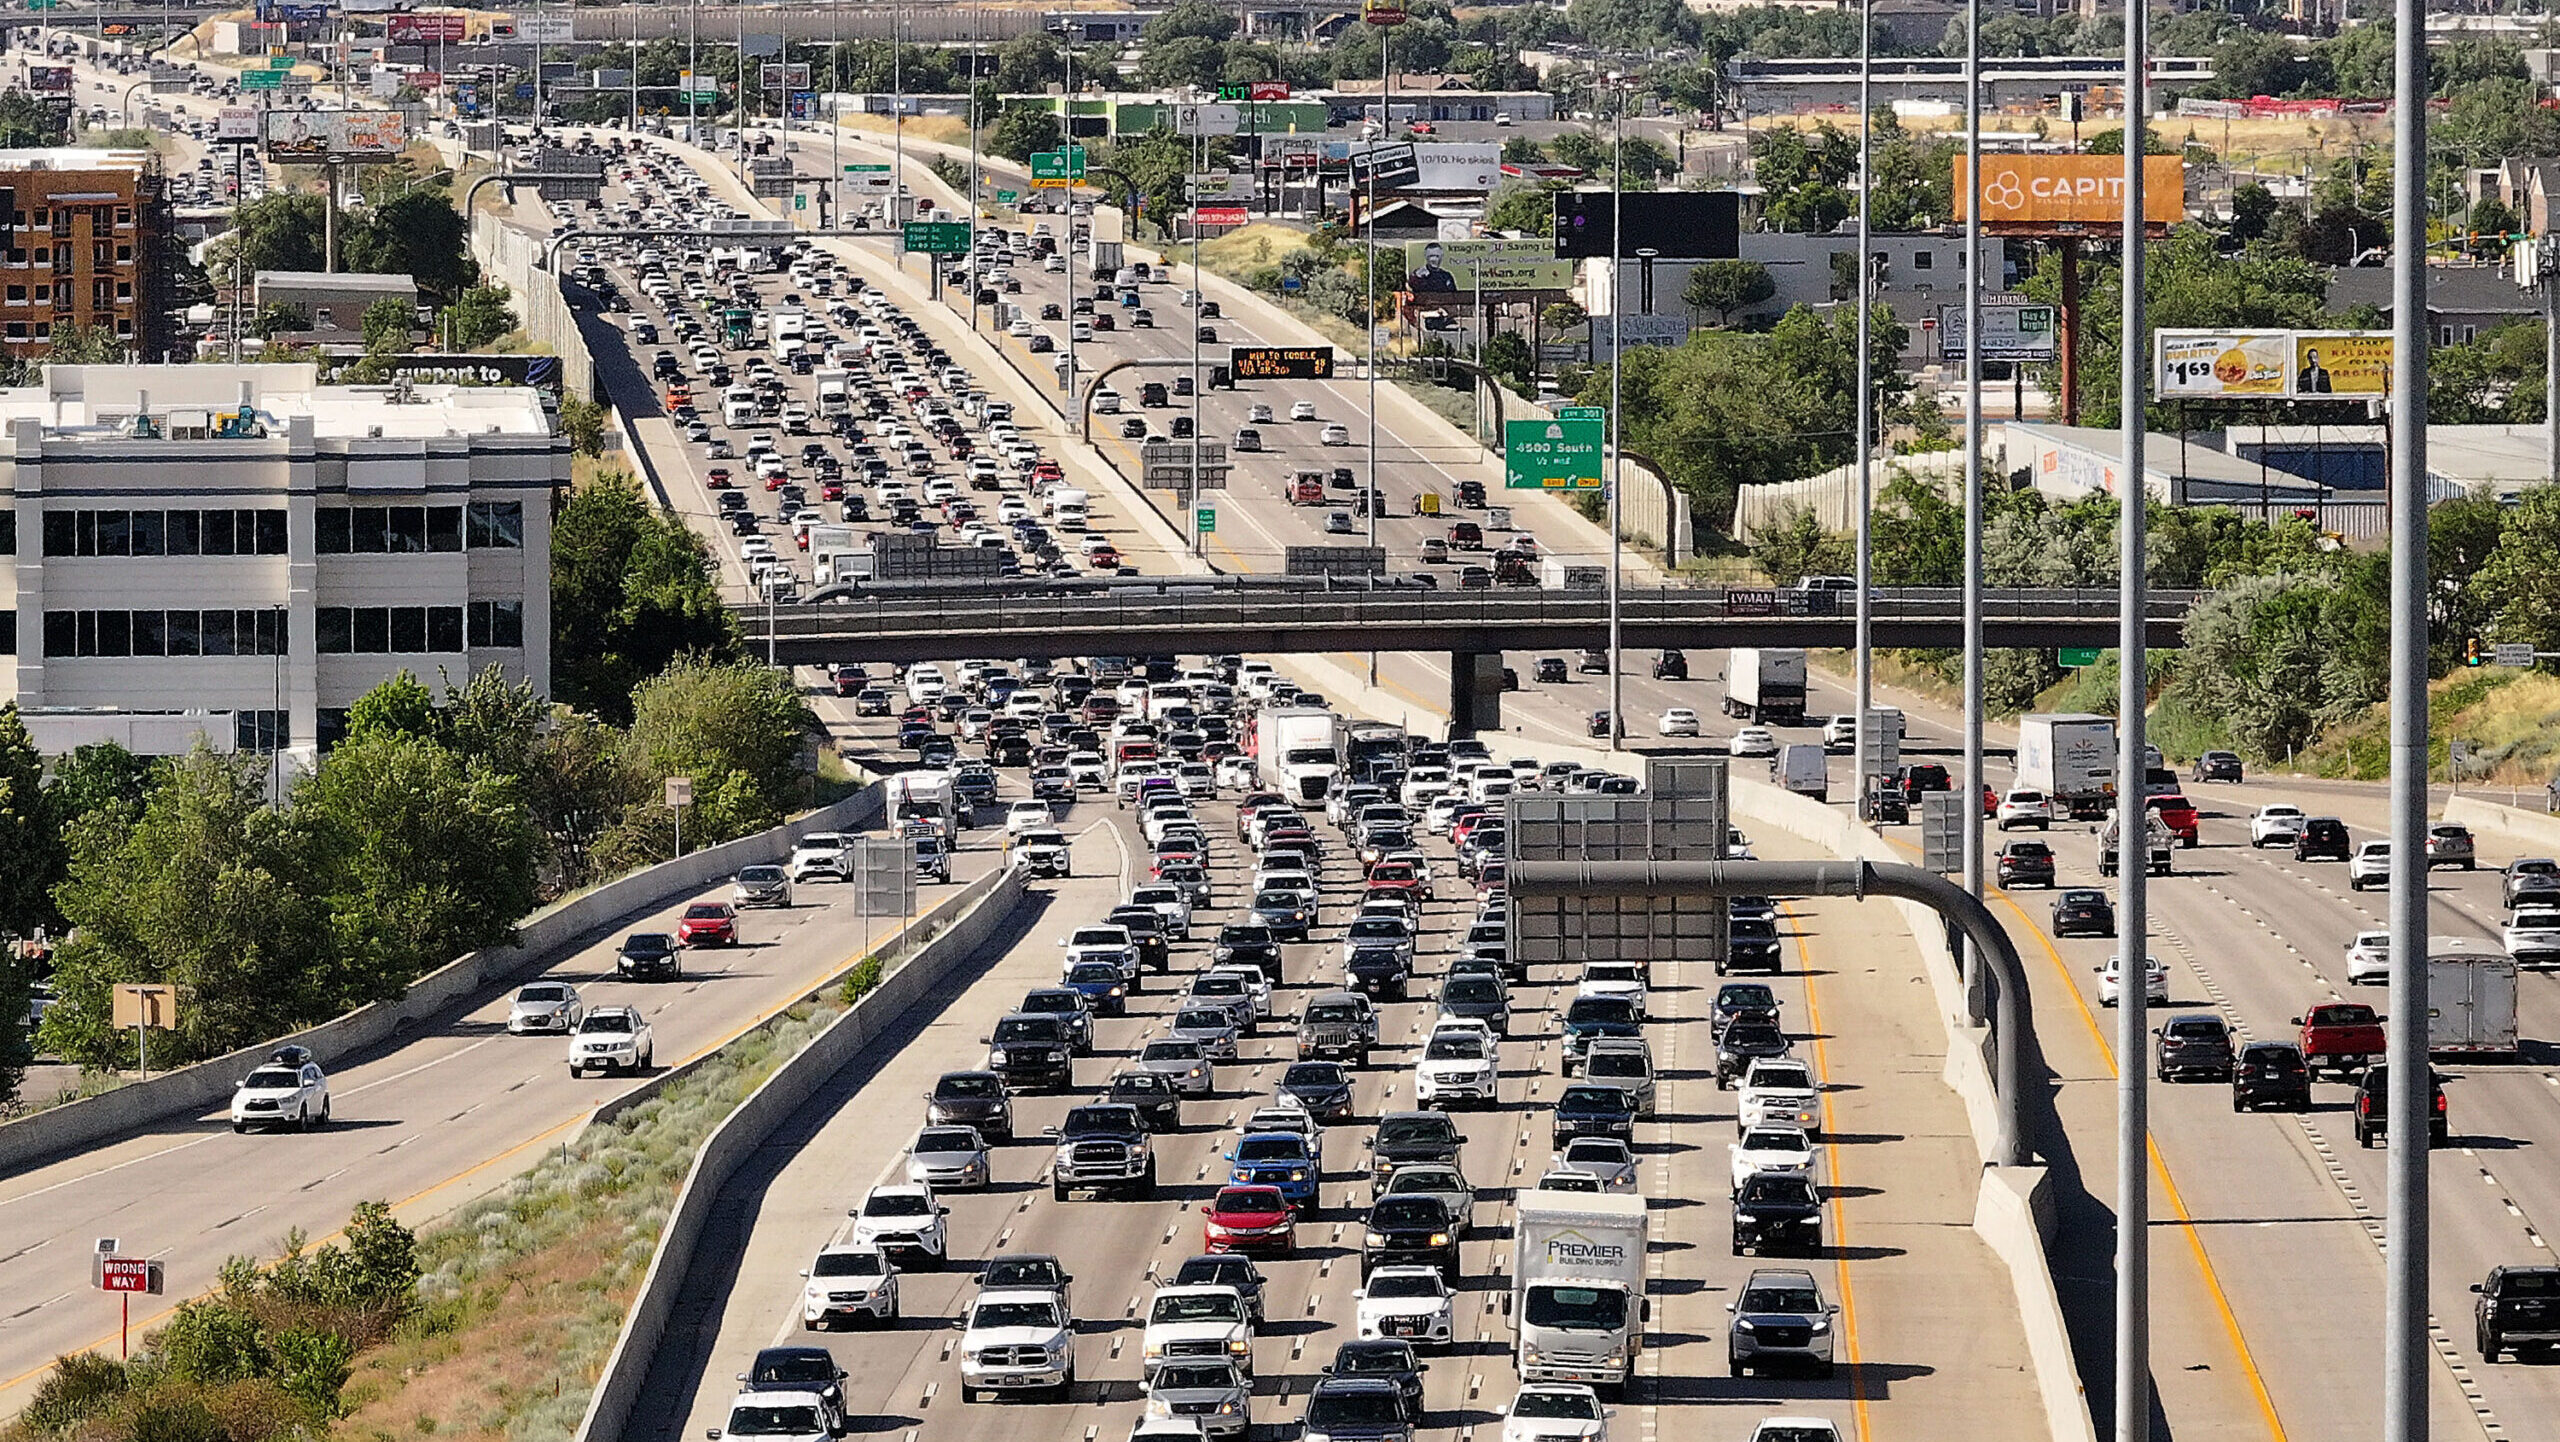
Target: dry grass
{"type": "Point", "coordinates": [2511, 719]}
{"type": "Point", "coordinates": [945, 129]}
{"type": "Point", "coordinates": [1244, 250]}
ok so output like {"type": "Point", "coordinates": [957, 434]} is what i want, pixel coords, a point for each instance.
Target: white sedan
{"type": "Point", "coordinates": [1753, 741]}
{"type": "Point", "coordinates": [1335, 436]}
{"type": "Point", "coordinates": [1605, 1159]}
{"type": "Point", "coordinates": [1556, 1412]}
{"type": "Point", "coordinates": [2276, 825]}
{"type": "Point", "coordinates": [1622, 979]}
{"type": "Point", "coordinates": [2369, 958]}
{"type": "Point", "coordinates": [1678, 721]}
{"type": "Point", "coordinates": [1302, 411]}
{"type": "Point", "coordinates": [2155, 986]}
{"type": "Point", "coordinates": [1783, 1150]}
{"type": "Point", "coordinates": [1412, 1303]}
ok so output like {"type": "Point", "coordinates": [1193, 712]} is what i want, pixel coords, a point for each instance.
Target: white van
{"type": "Point", "coordinates": [735, 413]}
{"type": "Point", "coordinates": [925, 684]}
{"type": "Point", "coordinates": [1069, 515]}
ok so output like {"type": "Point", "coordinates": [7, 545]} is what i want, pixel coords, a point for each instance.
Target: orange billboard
{"type": "Point", "coordinates": [2074, 190]}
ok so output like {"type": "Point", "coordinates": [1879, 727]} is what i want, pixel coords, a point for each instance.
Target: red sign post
{"type": "Point", "coordinates": [126, 1276]}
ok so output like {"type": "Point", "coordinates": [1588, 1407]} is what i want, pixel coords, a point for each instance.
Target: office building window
{"type": "Point", "coordinates": [264, 730]}
{"type": "Point", "coordinates": [498, 624]}
{"type": "Point", "coordinates": [8, 530]}
{"type": "Point", "coordinates": [497, 525]}
{"type": "Point", "coordinates": [165, 533]}
{"type": "Point", "coordinates": [390, 630]}
{"type": "Point", "coordinates": [164, 633]}
{"type": "Point", "coordinates": [395, 530]}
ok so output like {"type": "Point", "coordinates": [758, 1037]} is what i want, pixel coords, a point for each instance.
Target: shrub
{"type": "Point", "coordinates": [860, 981]}
{"type": "Point", "coordinates": [80, 1385]}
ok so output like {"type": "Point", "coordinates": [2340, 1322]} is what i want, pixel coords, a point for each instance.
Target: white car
{"type": "Point", "coordinates": [903, 1220]}
{"type": "Point", "coordinates": [2155, 987]}
{"type": "Point", "coordinates": [1258, 414]}
{"type": "Point", "coordinates": [1607, 1160]}
{"type": "Point", "coordinates": [288, 1089]}
{"type": "Point", "coordinates": [1106, 401]}
{"type": "Point", "coordinates": [2533, 936]}
{"type": "Point", "coordinates": [1795, 1429]}
{"type": "Point", "coordinates": [1302, 410]}
{"type": "Point", "coordinates": [2276, 825]}
{"type": "Point", "coordinates": [1753, 741]}
{"type": "Point", "coordinates": [2025, 808]}
{"type": "Point", "coordinates": [544, 1006]}
{"type": "Point", "coordinates": [1614, 978]}
{"type": "Point", "coordinates": [1197, 1321]}
{"type": "Point", "coordinates": [1771, 1149]}
{"type": "Point", "coordinates": [1335, 436]}
{"type": "Point", "coordinates": [1234, 773]}
{"type": "Point", "coordinates": [1556, 1412]}
{"type": "Point", "coordinates": [2370, 866]}
{"type": "Point", "coordinates": [780, 1417]}
{"type": "Point", "coordinates": [1409, 1304]}
{"type": "Point", "coordinates": [1458, 1064]}
{"type": "Point", "coordinates": [1778, 1091]}
{"type": "Point", "coordinates": [612, 1038]}
{"type": "Point", "coordinates": [845, 1283]}
{"type": "Point", "coordinates": [1024, 816]}
{"type": "Point", "coordinates": [1167, 901]}
{"type": "Point", "coordinates": [2369, 959]}
{"type": "Point", "coordinates": [1678, 721]}
{"type": "Point", "coordinates": [1017, 1341]}
{"type": "Point", "coordinates": [819, 854]}
{"type": "Point", "coordinates": [1209, 1395]}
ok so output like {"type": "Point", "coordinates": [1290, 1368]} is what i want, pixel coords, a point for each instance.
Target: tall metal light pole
{"type": "Point", "coordinates": [973, 182]}
{"type": "Point", "coordinates": [898, 129]}
{"type": "Point", "coordinates": [1617, 366]}
{"type": "Point", "coordinates": [1199, 164]}
{"type": "Point", "coordinates": [1369, 228]}
{"type": "Point", "coordinates": [1973, 498]}
{"type": "Point", "coordinates": [692, 71]}
{"type": "Point", "coordinates": [2405, 1358]}
{"type": "Point", "coordinates": [1869, 750]}
{"type": "Point", "coordinates": [1067, 236]}
{"type": "Point", "coordinates": [2133, 917]}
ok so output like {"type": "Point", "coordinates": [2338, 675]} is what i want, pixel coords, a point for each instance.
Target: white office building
{"type": "Point", "coordinates": [237, 552]}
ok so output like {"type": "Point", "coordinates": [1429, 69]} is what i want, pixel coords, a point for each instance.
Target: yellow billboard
{"type": "Point", "coordinates": [2341, 363]}
{"type": "Point", "coordinates": [2207, 364]}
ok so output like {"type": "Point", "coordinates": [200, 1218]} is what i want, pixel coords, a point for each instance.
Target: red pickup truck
{"type": "Point", "coordinates": [2178, 814]}
{"type": "Point", "coordinates": [2340, 1038]}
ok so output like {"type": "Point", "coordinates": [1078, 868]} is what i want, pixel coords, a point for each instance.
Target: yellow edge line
{"type": "Point", "coordinates": [1839, 1204]}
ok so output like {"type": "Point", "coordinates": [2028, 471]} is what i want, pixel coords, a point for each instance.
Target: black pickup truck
{"type": "Point", "coordinates": [2516, 1305]}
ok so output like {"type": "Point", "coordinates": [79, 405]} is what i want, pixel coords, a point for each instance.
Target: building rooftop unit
{"type": "Point", "coordinates": [99, 402]}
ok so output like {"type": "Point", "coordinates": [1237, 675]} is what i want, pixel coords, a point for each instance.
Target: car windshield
{"type": "Point", "coordinates": [1203, 1019]}
{"type": "Point", "coordinates": [1327, 1011]}
{"type": "Point", "coordinates": [1455, 1046]}
{"type": "Point", "coordinates": [543, 991]}
{"type": "Point", "coordinates": [1053, 1001]}
{"type": "Point", "coordinates": [1577, 1308]}
{"type": "Point", "coordinates": [1357, 1359]}
{"type": "Point", "coordinates": [1559, 1403]}
{"type": "Point", "coordinates": [1781, 1297]}
{"type": "Point", "coordinates": [1405, 1284]}
{"type": "Point", "coordinates": [1614, 1063]}
{"type": "Point", "coordinates": [1275, 900]}
{"type": "Point", "coordinates": [1329, 1408]}
{"type": "Point", "coordinates": [1270, 1149]}
{"type": "Point", "coordinates": [1095, 971]}
{"type": "Point", "coordinates": [1597, 1150]}
{"type": "Point", "coordinates": [1400, 1131]}
{"type": "Point", "coordinates": [1785, 1076]}
{"type": "Point", "coordinates": [2083, 898]}
{"type": "Point", "coordinates": [1315, 1074]}
{"type": "Point", "coordinates": [896, 1204]}
{"type": "Point", "coordinates": [969, 1086]}
{"type": "Point", "coordinates": [1026, 1029]}
{"type": "Point", "coordinates": [849, 1264]}
{"type": "Point", "coordinates": [946, 1139]}
{"type": "Point", "coordinates": [705, 911]}
{"type": "Point", "coordinates": [1472, 989]}
{"type": "Point", "coordinates": [615, 1021]}
{"type": "Point", "coordinates": [1377, 927]}
{"type": "Point", "coordinates": [1409, 1209]}
{"type": "Point", "coordinates": [1591, 1099]}
{"type": "Point", "coordinates": [2202, 1029]}
{"type": "Point", "coordinates": [1171, 1050]}
{"type": "Point", "coordinates": [1772, 1139]}
{"type": "Point", "coordinates": [1600, 1008]}
{"type": "Point", "coordinates": [1137, 1082]}
{"type": "Point", "coordinates": [1745, 928]}
{"type": "Point", "coordinates": [991, 1315]}
{"type": "Point", "coordinates": [1770, 1189]}
{"type": "Point", "coordinates": [1092, 1121]}
{"type": "Point", "coordinates": [1255, 1200]}
{"type": "Point", "coordinates": [810, 1366]}
{"type": "Point", "coordinates": [785, 1419]}
{"type": "Point", "coordinates": [1195, 1376]}
{"type": "Point", "coordinates": [755, 875]}
{"type": "Point", "coordinates": [274, 1079]}
{"type": "Point", "coordinates": [1197, 1307]}
{"type": "Point", "coordinates": [1768, 1433]}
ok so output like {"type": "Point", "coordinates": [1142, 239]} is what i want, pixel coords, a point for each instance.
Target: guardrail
{"type": "Point", "coordinates": [957, 928]}
{"type": "Point", "coordinates": [541, 940]}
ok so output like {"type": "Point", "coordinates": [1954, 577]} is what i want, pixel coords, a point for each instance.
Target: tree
{"type": "Point", "coordinates": [280, 230]}
{"type": "Point", "coordinates": [1183, 60]}
{"type": "Point", "coordinates": [1726, 286]}
{"type": "Point", "coordinates": [478, 316]}
{"type": "Point", "coordinates": [2518, 583]}
{"type": "Point", "coordinates": [400, 705]}
{"type": "Point", "coordinates": [2252, 206]}
{"type": "Point", "coordinates": [277, 317]}
{"type": "Point", "coordinates": [1029, 64]}
{"type": "Point", "coordinates": [1507, 357]}
{"type": "Point", "coordinates": [1800, 546]}
{"type": "Point", "coordinates": [30, 830]}
{"type": "Point", "coordinates": [2249, 62]}
{"type": "Point", "coordinates": [386, 326]}
{"type": "Point", "coordinates": [1562, 315]}
{"type": "Point", "coordinates": [583, 422]}
{"type": "Point", "coordinates": [417, 233]}
{"type": "Point", "coordinates": [1191, 19]}
{"type": "Point", "coordinates": [1023, 131]}
{"type": "Point", "coordinates": [735, 727]}
{"type": "Point", "coordinates": [1527, 209]}
{"type": "Point", "coordinates": [26, 122]}
{"type": "Point", "coordinates": [98, 777]}
{"type": "Point", "coordinates": [2266, 656]}
{"type": "Point", "coordinates": [630, 591]}
{"type": "Point", "coordinates": [579, 784]}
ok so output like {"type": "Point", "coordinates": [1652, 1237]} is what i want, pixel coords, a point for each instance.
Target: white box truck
{"type": "Point", "coordinates": [1803, 768]}
{"type": "Point", "coordinates": [837, 555]}
{"type": "Point", "coordinates": [1294, 751]}
{"type": "Point", "coordinates": [1577, 1287]}
{"type": "Point", "coordinates": [924, 796]}
{"type": "Point", "coordinates": [2471, 1003]}
{"type": "Point", "coordinates": [1765, 684]}
{"type": "Point", "coordinates": [1557, 575]}
{"type": "Point", "coordinates": [835, 392]}
{"type": "Point", "coordinates": [2070, 757]}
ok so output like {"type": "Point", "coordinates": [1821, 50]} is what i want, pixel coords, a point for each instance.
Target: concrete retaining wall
{"type": "Point", "coordinates": [964, 922]}
{"type": "Point", "coordinates": [2533, 828]}
{"type": "Point", "coordinates": [507, 257]}
{"type": "Point", "coordinates": [543, 939]}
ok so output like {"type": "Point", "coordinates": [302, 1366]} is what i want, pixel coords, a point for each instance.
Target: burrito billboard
{"type": "Point", "coordinates": [2304, 365]}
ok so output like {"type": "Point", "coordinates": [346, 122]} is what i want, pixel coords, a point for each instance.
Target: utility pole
{"type": "Point", "coordinates": [1973, 658]}
{"type": "Point", "coordinates": [1869, 747]}
{"type": "Point", "coordinates": [2133, 851]}
{"type": "Point", "coordinates": [1617, 367]}
{"type": "Point", "coordinates": [1369, 229]}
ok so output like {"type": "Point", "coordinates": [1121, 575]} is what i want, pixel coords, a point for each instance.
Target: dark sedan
{"type": "Point", "coordinates": [2083, 911]}
{"type": "Point", "coordinates": [2270, 1074]}
{"type": "Point", "coordinates": [1379, 973]}
{"type": "Point", "coordinates": [1288, 917]}
{"type": "Point", "coordinates": [2322, 837]}
{"type": "Point", "coordinates": [1321, 1089]}
{"type": "Point", "coordinates": [1751, 944]}
{"type": "Point", "coordinates": [1410, 1229]}
{"type": "Point", "coordinates": [2217, 766]}
{"type": "Point", "coordinates": [971, 1099]}
{"type": "Point", "coordinates": [1159, 1105]}
{"type": "Point", "coordinates": [648, 954]}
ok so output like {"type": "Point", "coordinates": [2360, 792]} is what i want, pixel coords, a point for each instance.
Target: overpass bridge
{"type": "Point", "coordinates": [947, 621]}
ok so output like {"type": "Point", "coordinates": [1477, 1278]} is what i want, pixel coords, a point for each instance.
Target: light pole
{"type": "Point", "coordinates": [1863, 658]}
{"type": "Point", "coordinates": [1067, 240]}
{"type": "Point", "coordinates": [2132, 819]}
{"type": "Point", "coordinates": [692, 71]}
{"type": "Point", "coordinates": [1369, 230]}
{"type": "Point", "coordinates": [1617, 366]}
{"type": "Point", "coordinates": [1973, 659]}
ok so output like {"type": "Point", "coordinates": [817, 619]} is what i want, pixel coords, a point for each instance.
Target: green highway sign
{"type": "Point", "coordinates": [1582, 413]}
{"type": "Point", "coordinates": [280, 62]}
{"type": "Point", "coordinates": [1058, 164]}
{"type": "Point", "coordinates": [1007, 197]}
{"type": "Point", "coordinates": [262, 80]}
{"type": "Point", "coordinates": [1558, 455]}
{"type": "Point", "coordinates": [2076, 656]}
{"type": "Point", "coordinates": [1206, 519]}
{"type": "Point", "coordinates": [937, 237]}
{"type": "Point", "coordinates": [799, 202]}
{"type": "Point", "coordinates": [866, 170]}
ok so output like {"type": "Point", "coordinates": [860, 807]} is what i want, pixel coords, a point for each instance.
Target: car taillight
{"type": "Point", "coordinates": [2439, 1102]}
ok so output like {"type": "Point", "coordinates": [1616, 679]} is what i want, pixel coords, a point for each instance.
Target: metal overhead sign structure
{"type": "Point", "coordinates": [1207, 119]}
{"type": "Point", "coordinates": [1558, 455]}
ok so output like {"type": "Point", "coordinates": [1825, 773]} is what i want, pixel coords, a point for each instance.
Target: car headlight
{"type": "Point", "coordinates": [1228, 1408]}
{"type": "Point", "coordinates": [1239, 1345]}
{"type": "Point", "coordinates": [1822, 1324]}
{"type": "Point", "coordinates": [1532, 1354]}
{"type": "Point", "coordinates": [1743, 1324]}
{"type": "Point", "coordinates": [1376, 1239]}
{"type": "Point", "coordinates": [1439, 1239]}
{"type": "Point", "coordinates": [1155, 1349]}
{"type": "Point", "coordinates": [1298, 1176]}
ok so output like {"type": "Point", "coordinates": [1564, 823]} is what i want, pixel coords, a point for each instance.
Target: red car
{"type": "Point", "coordinates": [719, 479]}
{"type": "Point", "coordinates": [1248, 1218]}
{"type": "Point", "coordinates": [708, 923]}
{"type": "Point", "coordinates": [1464, 825]}
{"type": "Point", "coordinates": [1399, 876]}
{"type": "Point", "coordinates": [1104, 559]}
{"type": "Point", "coordinates": [2178, 814]}
{"type": "Point", "coordinates": [831, 491]}
{"type": "Point", "coordinates": [775, 481]}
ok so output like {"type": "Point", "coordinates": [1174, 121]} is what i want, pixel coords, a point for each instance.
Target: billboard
{"type": "Point", "coordinates": [1281, 363]}
{"type": "Point", "coordinates": [49, 78]}
{"type": "Point", "coordinates": [1673, 224]}
{"type": "Point", "coordinates": [2271, 365]}
{"type": "Point", "coordinates": [542, 372]}
{"type": "Point", "coordinates": [1446, 266]}
{"type": "Point", "coordinates": [335, 137]}
{"type": "Point", "coordinates": [237, 125]}
{"type": "Point", "coordinates": [2072, 190]}
{"type": "Point", "coordinates": [1387, 166]}
{"type": "Point", "coordinates": [424, 29]}
{"type": "Point", "coordinates": [2009, 332]}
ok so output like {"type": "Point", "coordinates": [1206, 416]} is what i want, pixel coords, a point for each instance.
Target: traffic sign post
{"type": "Point", "coordinates": [124, 1276]}
{"type": "Point", "coordinates": [2074, 657]}
{"type": "Point", "coordinates": [2514, 653]}
{"type": "Point", "coordinates": [1558, 455]}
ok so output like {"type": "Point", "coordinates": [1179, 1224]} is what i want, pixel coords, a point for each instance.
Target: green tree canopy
{"type": "Point", "coordinates": [478, 316]}
{"type": "Point", "coordinates": [630, 591]}
{"type": "Point", "coordinates": [387, 323]}
{"type": "Point", "coordinates": [1726, 286]}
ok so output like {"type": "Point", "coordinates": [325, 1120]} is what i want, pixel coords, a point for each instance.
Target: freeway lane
{"type": "Point", "coordinates": [428, 1124]}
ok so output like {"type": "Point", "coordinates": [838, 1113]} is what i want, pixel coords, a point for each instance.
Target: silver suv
{"type": "Point", "coordinates": [1780, 1320]}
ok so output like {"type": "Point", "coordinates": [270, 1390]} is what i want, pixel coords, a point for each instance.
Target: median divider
{"type": "Point", "coordinates": [950, 934]}
{"type": "Point", "coordinates": [2534, 828]}
{"type": "Point", "coordinates": [541, 940]}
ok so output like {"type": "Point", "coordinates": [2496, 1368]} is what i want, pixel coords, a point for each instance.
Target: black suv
{"type": "Point", "coordinates": [648, 954]}
{"type": "Point", "coordinates": [1596, 1016]}
{"type": "Point", "coordinates": [1594, 1111]}
{"type": "Point", "coordinates": [1742, 1001]}
{"type": "Point", "coordinates": [1387, 1358]}
{"type": "Point", "coordinates": [2322, 837]}
{"type": "Point", "coordinates": [1751, 944]}
{"type": "Point", "coordinates": [2373, 1100]}
{"type": "Point", "coordinates": [1922, 779]}
{"type": "Point", "coordinates": [1671, 666]}
{"type": "Point", "coordinates": [2026, 863]}
{"type": "Point", "coordinates": [1743, 1043]}
{"type": "Point", "coordinates": [2192, 1043]}
{"type": "Point", "coordinates": [1031, 1050]}
{"type": "Point", "coordinates": [2083, 911]}
{"type": "Point", "coordinates": [1404, 1137]}
{"type": "Point", "coordinates": [1477, 998]}
{"type": "Point", "coordinates": [1158, 1104]}
{"type": "Point", "coordinates": [1378, 972]}
{"type": "Point", "coordinates": [1358, 1409]}
{"type": "Point", "coordinates": [1410, 1229]}
{"type": "Point", "coordinates": [2517, 1304]}
{"type": "Point", "coordinates": [971, 1099]}
{"type": "Point", "coordinates": [1775, 1210]}
{"type": "Point", "coordinates": [1549, 671]}
{"type": "Point", "coordinates": [2270, 1073]}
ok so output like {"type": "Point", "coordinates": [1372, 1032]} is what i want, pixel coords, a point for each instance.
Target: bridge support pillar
{"type": "Point", "coordinates": [1475, 693]}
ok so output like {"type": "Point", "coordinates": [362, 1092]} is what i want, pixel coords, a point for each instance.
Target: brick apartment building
{"type": "Point", "coordinates": [83, 230]}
